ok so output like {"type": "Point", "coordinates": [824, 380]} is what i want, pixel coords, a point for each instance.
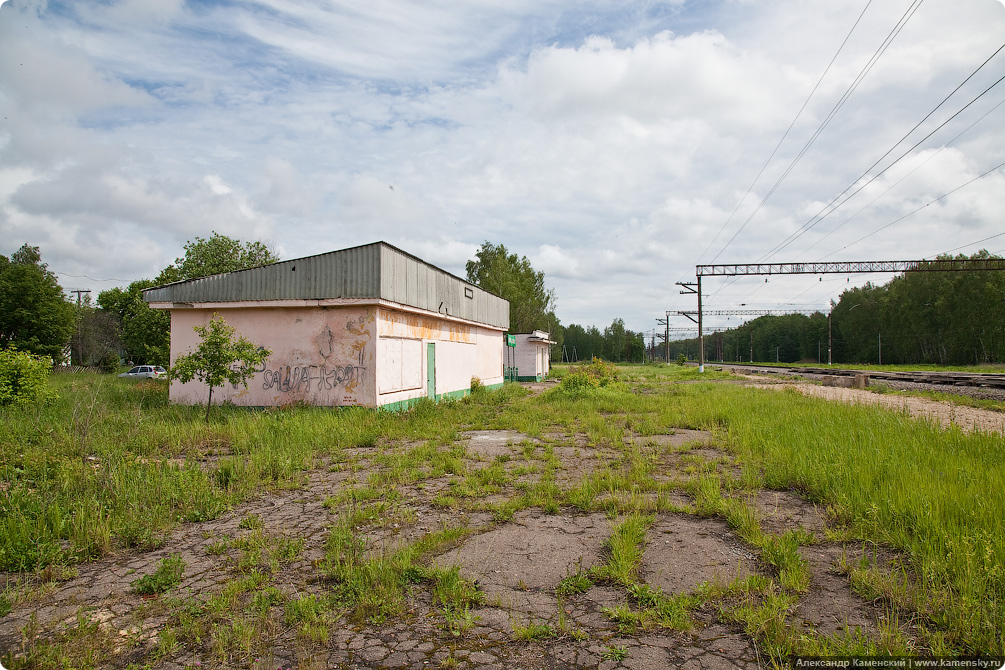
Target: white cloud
{"type": "Point", "coordinates": [556, 263]}
{"type": "Point", "coordinates": [608, 142]}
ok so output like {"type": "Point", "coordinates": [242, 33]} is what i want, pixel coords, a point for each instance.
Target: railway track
{"type": "Point", "coordinates": [971, 379]}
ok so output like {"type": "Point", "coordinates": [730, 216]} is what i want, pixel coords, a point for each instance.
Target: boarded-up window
{"type": "Point", "coordinates": [399, 365]}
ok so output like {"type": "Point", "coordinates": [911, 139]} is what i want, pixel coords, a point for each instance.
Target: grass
{"type": "Point", "coordinates": [109, 466]}
{"type": "Point", "coordinates": [167, 576]}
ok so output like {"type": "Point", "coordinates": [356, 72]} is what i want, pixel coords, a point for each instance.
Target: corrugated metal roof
{"type": "Point", "coordinates": [376, 271]}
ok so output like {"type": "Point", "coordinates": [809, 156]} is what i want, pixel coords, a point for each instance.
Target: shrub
{"type": "Point", "coordinates": [681, 359]}
{"type": "Point", "coordinates": [597, 374]}
{"type": "Point", "coordinates": [23, 377]}
{"type": "Point", "coordinates": [109, 362]}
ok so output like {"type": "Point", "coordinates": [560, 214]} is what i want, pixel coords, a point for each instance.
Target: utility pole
{"type": "Point", "coordinates": [696, 288]}
{"type": "Point", "coordinates": [701, 334]}
{"type": "Point", "coordinates": [666, 338]}
{"type": "Point", "coordinates": [80, 348]}
{"type": "Point", "coordinates": [829, 342]}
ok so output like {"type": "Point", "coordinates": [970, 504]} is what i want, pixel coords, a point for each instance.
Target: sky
{"type": "Point", "coordinates": [616, 145]}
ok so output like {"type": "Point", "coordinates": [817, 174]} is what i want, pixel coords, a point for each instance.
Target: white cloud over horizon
{"type": "Point", "coordinates": [608, 142]}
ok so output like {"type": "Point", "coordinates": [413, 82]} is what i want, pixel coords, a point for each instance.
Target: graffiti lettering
{"type": "Point", "coordinates": [291, 379]}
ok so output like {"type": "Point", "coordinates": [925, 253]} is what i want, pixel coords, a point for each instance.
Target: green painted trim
{"type": "Point", "coordinates": [403, 405]}
{"type": "Point", "coordinates": [456, 395]}
{"type": "Point", "coordinates": [538, 378]}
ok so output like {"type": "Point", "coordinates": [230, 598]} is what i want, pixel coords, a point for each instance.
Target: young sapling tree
{"type": "Point", "coordinates": [219, 358]}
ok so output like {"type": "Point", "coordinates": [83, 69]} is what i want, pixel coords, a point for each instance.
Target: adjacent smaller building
{"type": "Point", "coordinates": [533, 356]}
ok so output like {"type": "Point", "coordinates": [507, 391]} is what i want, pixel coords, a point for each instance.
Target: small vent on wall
{"type": "Point", "coordinates": [468, 293]}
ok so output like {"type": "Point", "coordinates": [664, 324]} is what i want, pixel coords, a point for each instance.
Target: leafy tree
{"type": "Point", "coordinates": [615, 338]}
{"type": "Point", "coordinates": [34, 314]}
{"type": "Point", "coordinates": [584, 343]}
{"type": "Point", "coordinates": [615, 343]}
{"type": "Point", "coordinates": [146, 333]}
{"type": "Point", "coordinates": [219, 358]}
{"type": "Point", "coordinates": [531, 305]}
{"type": "Point", "coordinates": [635, 348]}
{"type": "Point", "coordinates": [217, 254]}
{"type": "Point", "coordinates": [96, 338]}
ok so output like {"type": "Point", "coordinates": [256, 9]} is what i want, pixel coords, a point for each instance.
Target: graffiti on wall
{"type": "Point", "coordinates": [326, 342]}
{"type": "Point", "coordinates": [326, 377]}
{"type": "Point", "coordinates": [291, 379]}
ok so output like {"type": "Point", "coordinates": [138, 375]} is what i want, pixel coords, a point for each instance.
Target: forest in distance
{"type": "Point", "coordinates": [918, 317]}
{"type": "Point", "coordinates": [941, 318]}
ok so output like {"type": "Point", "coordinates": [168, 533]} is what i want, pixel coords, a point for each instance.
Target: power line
{"type": "Point", "coordinates": [787, 131]}
{"type": "Point", "coordinates": [820, 216]}
{"type": "Point", "coordinates": [830, 116]}
{"type": "Point", "coordinates": [918, 209]}
{"type": "Point", "coordinates": [67, 274]}
{"type": "Point", "coordinates": [902, 179]}
{"type": "Point", "coordinates": [972, 244]}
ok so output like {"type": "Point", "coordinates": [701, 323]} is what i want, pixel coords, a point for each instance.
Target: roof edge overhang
{"type": "Point", "coordinates": [326, 302]}
{"type": "Point", "coordinates": [380, 243]}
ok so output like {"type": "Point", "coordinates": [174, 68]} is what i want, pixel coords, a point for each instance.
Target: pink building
{"type": "Point", "coordinates": [533, 356]}
{"type": "Point", "coordinates": [370, 326]}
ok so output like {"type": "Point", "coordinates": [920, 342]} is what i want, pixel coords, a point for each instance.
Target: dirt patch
{"type": "Point", "coordinates": [683, 551]}
{"type": "Point", "coordinates": [492, 443]}
{"type": "Point", "coordinates": [678, 438]}
{"type": "Point", "coordinates": [537, 388]}
{"type": "Point", "coordinates": [578, 463]}
{"type": "Point", "coordinates": [780, 511]}
{"type": "Point", "coordinates": [519, 564]}
{"type": "Point", "coordinates": [830, 606]}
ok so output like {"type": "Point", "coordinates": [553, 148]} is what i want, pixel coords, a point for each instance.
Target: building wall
{"type": "Point", "coordinates": [347, 355]}
{"type": "Point", "coordinates": [319, 356]}
{"type": "Point", "coordinates": [532, 359]}
{"type": "Point", "coordinates": [461, 351]}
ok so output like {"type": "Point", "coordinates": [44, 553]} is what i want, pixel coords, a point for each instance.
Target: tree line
{"type": "Point", "coordinates": [919, 317]}
{"type": "Point", "coordinates": [948, 318]}
{"type": "Point", "coordinates": [37, 317]}
{"type": "Point", "coordinates": [532, 307]}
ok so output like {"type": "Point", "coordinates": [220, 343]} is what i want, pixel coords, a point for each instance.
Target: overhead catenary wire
{"type": "Point", "coordinates": [909, 12]}
{"type": "Point", "coordinates": [964, 246]}
{"type": "Point", "coordinates": [830, 116]}
{"type": "Point", "coordinates": [830, 207]}
{"type": "Point", "coordinates": [902, 179]}
{"type": "Point", "coordinates": [915, 211]}
{"type": "Point", "coordinates": [758, 286]}
{"type": "Point", "coordinates": [787, 130]}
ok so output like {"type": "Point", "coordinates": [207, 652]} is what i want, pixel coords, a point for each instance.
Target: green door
{"type": "Point", "coordinates": [431, 370]}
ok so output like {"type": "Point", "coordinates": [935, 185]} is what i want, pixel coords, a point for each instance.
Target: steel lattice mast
{"type": "Point", "coordinates": [851, 267]}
